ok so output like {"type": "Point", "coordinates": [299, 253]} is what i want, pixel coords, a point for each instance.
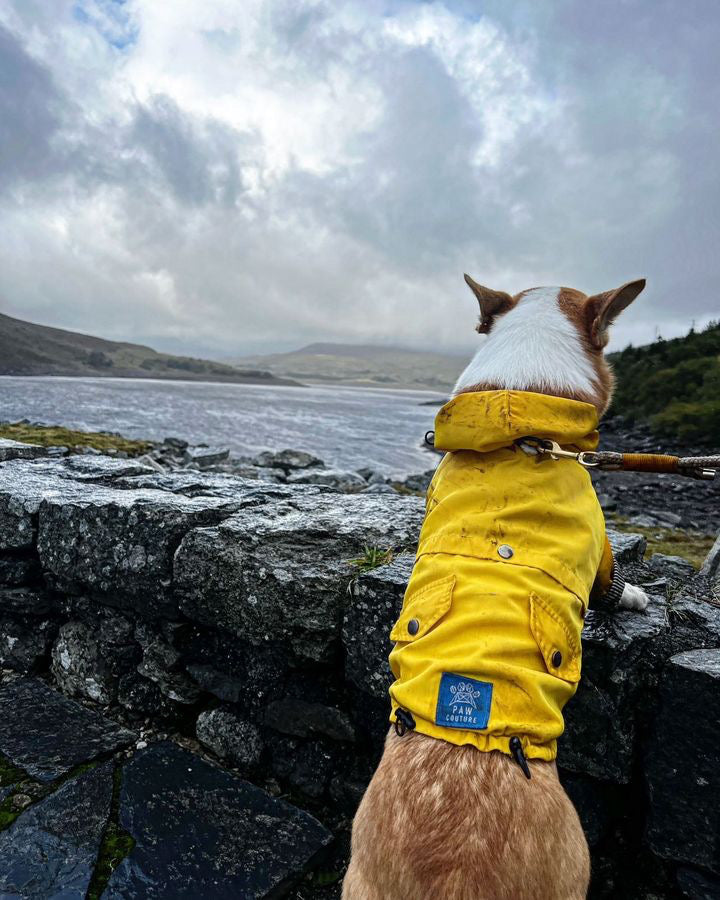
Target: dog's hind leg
{"type": "Point", "coordinates": [356, 887]}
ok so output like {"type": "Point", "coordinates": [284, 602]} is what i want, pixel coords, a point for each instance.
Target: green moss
{"type": "Point", "coordinates": [9, 774]}
{"type": "Point", "coordinates": [372, 558]}
{"type": "Point", "coordinates": [115, 845]}
{"type": "Point", "coordinates": [692, 546]}
{"type": "Point", "coordinates": [56, 436]}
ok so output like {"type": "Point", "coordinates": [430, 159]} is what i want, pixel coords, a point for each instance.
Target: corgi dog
{"type": "Point", "coordinates": [466, 803]}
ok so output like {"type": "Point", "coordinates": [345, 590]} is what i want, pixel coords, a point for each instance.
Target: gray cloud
{"type": "Point", "coordinates": [286, 172]}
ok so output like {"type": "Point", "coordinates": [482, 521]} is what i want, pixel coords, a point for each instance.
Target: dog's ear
{"type": "Point", "coordinates": [602, 309]}
{"type": "Point", "coordinates": [492, 303]}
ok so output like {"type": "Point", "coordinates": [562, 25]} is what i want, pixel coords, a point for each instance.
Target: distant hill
{"type": "Point", "coordinates": [29, 349]}
{"type": "Point", "coordinates": [364, 365]}
{"type": "Point", "coordinates": [674, 385]}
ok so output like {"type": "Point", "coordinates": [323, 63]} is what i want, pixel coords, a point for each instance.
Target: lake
{"type": "Point", "coordinates": [347, 427]}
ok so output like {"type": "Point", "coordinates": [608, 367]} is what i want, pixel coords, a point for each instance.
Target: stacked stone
{"type": "Point", "coordinates": [228, 609]}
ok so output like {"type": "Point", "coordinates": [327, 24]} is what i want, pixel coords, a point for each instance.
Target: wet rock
{"type": "Point", "coordinates": [47, 735]}
{"type": "Point", "coordinates": [620, 653]}
{"type": "Point", "coordinates": [118, 546]}
{"type": "Point", "coordinates": [306, 766]}
{"type": "Point", "coordinates": [710, 568]}
{"type": "Point", "coordinates": [24, 601]}
{"type": "Point", "coordinates": [18, 569]}
{"type": "Point", "coordinates": [176, 443]}
{"type": "Point", "coordinates": [419, 482]}
{"type": "Point", "coordinates": [373, 607]}
{"type": "Point", "coordinates": [627, 548]}
{"type": "Point", "coordinates": [287, 460]}
{"type": "Point", "coordinates": [379, 489]}
{"type": "Point", "coordinates": [162, 664]}
{"type": "Point", "coordinates": [50, 850]}
{"type": "Point", "coordinates": [698, 885]}
{"type": "Point", "coordinates": [281, 573]}
{"type": "Point", "coordinates": [683, 776]}
{"type": "Point", "coordinates": [674, 567]}
{"type": "Point", "coordinates": [25, 643]}
{"type": "Point", "coordinates": [230, 737]}
{"type": "Point", "coordinates": [16, 450]}
{"type": "Point", "coordinates": [88, 658]}
{"type": "Point", "coordinates": [302, 719]}
{"type": "Point", "coordinates": [203, 457]}
{"type": "Point", "coordinates": [332, 478]}
{"type": "Point", "coordinates": [201, 831]}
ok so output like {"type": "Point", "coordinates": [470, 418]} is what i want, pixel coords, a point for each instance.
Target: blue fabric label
{"type": "Point", "coordinates": [463, 702]}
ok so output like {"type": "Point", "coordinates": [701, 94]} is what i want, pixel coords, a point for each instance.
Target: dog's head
{"type": "Point", "coordinates": [549, 340]}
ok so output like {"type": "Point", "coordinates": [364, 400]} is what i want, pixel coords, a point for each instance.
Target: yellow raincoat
{"type": "Point", "coordinates": [488, 641]}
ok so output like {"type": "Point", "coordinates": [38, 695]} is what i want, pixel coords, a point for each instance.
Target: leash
{"type": "Point", "coordinates": [702, 467]}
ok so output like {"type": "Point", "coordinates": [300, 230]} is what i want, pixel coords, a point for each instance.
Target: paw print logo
{"type": "Point", "coordinates": [463, 693]}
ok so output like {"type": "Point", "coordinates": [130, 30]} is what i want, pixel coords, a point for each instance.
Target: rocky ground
{"type": "Point", "coordinates": [194, 682]}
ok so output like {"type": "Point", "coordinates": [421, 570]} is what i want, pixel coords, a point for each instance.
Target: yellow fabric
{"type": "Point", "coordinates": [502, 621]}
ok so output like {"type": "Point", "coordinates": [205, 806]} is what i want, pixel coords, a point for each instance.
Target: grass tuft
{"type": "Point", "coordinates": [56, 436]}
{"type": "Point", "coordinates": [372, 558]}
{"type": "Point", "coordinates": [690, 545]}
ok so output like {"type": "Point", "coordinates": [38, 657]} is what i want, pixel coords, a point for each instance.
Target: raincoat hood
{"type": "Point", "coordinates": [487, 646]}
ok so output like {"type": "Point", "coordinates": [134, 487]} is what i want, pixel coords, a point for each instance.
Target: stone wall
{"type": "Point", "coordinates": [212, 607]}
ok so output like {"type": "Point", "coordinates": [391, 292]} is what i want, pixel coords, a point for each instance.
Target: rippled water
{"type": "Point", "coordinates": [347, 427]}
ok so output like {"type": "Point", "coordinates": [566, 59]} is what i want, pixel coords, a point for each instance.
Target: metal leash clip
{"type": "Point", "coordinates": [540, 447]}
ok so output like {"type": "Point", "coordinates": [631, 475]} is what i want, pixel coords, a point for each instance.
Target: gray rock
{"type": "Point", "coordinates": [50, 850]}
{"type": "Point", "coordinates": [18, 569]}
{"type": "Point", "coordinates": [281, 573]}
{"type": "Point", "coordinates": [118, 546]}
{"type": "Point", "coordinates": [176, 443]}
{"type": "Point", "coordinates": [673, 567]}
{"type": "Point", "coordinates": [287, 460]}
{"type": "Point", "coordinates": [710, 568]}
{"type": "Point", "coordinates": [420, 482]}
{"type": "Point", "coordinates": [620, 652]}
{"type": "Point", "coordinates": [203, 457]}
{"type": "Point", "coordinates": [379, 489]}
{"type": "Point", "coordinates": [17, 450]}
{"type": "Point", "coordinates": [200, 831]}
{"type": "Point", "coordinates": [25, 643]}
{"type": "Point", "coordinates": [627, 548]}
{"type": "Point", "coordinates": [373, 607]}
{"type": "Point", "coordinates": [47, 735]}
{"type": "Point", "coordinates": [88, 658]}
{"type": "Point", "coordinates": [333, 478]}
{"type": "Point", "coordinates": [302, 719]}
{"type": "Point", "coordinates": [698, 885]}
{"type": "Point", "coordinates": [161, 664]}
{"type": "Point", "coordinates": [683, 775]}
{"type": "Point", "coordinates": [230, 737]}
{"type": "Point", "coordinates": [25, 601]}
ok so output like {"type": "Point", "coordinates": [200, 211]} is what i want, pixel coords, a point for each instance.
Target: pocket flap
{"type": "Point", "coordinates": [423, 609]}
{"type": "Point", "coordinates": [560, 648]}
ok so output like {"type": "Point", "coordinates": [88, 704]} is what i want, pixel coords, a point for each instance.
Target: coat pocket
{"type": "Point", "coordinates": [423, 609]}
{"type": "Point", "coordinates": [557, 638]}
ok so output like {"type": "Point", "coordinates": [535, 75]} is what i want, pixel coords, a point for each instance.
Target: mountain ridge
{"type": "Point", "coordinates": [27, 348]}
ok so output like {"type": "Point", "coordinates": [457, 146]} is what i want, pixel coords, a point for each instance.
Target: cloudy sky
{"type": "Point", "coordinates": [237, 176]}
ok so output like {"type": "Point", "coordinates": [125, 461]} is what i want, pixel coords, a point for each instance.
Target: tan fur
{"type": "Point", "coordinates": [442, 822]}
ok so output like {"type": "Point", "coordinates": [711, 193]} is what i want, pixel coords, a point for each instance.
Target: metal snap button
{"type": "Point", "coordinates": [505, 550]}
{"type": "Point", "coordinates": [413, 626]}
{"type": "Point", "coordinates": [556, 659]}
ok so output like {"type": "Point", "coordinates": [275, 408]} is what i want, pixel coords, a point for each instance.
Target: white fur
{"type": "Point", "coordinates": [634, 598]}
{"type": "Point", "coordinates": [533, 344]}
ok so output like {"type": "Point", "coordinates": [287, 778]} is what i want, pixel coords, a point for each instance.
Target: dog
{"type": "Point", "coordinates": [466, 803]}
